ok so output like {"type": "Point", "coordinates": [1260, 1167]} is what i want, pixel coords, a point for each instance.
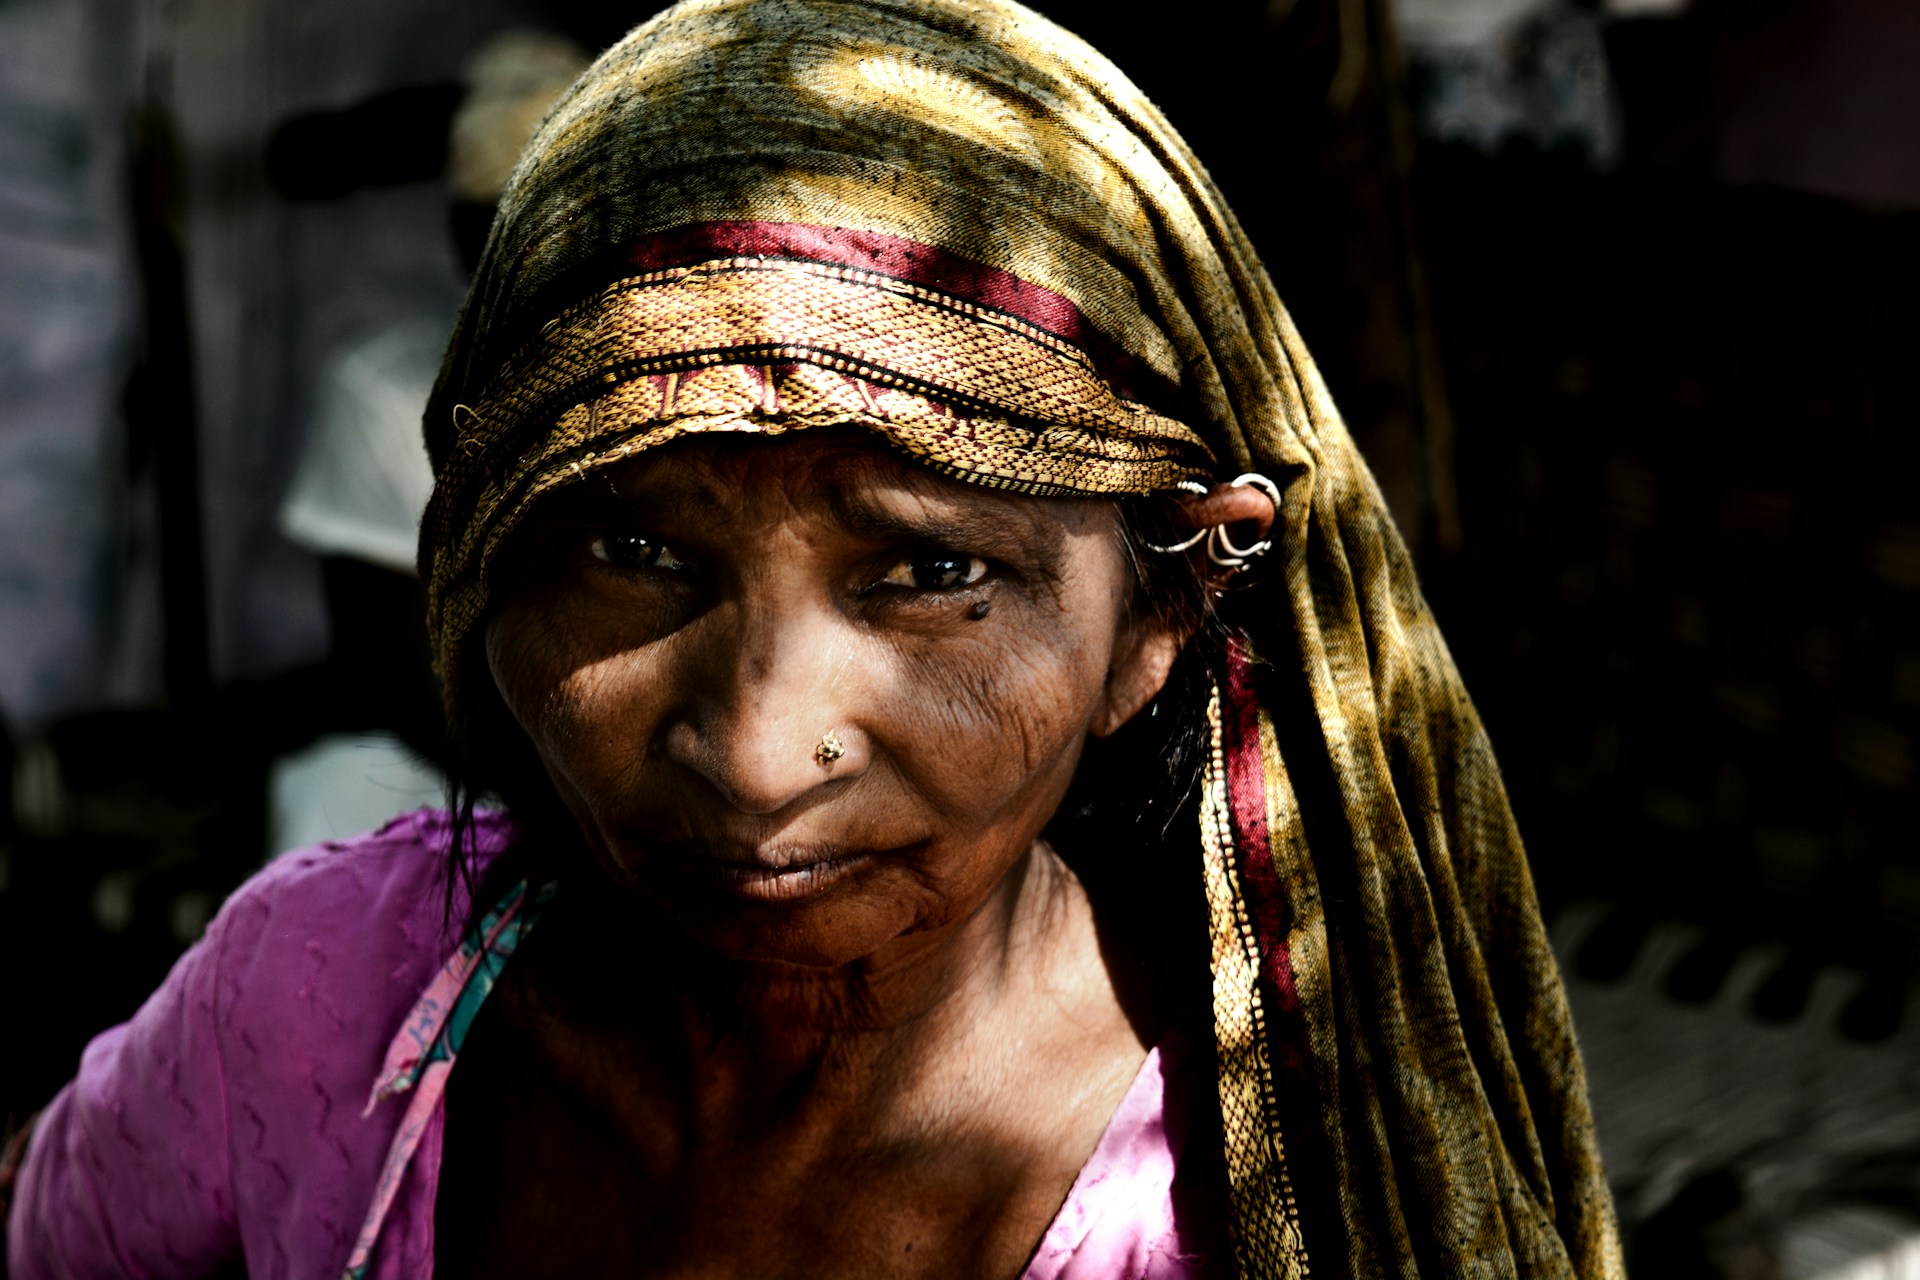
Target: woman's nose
{"type": "Point", "coordinates": [770, 720]}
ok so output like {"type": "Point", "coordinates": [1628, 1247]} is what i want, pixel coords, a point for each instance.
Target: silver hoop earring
{"type": "Point", "coordinates": [1261, 483]}
{"type": "Point", "coordinates": [1222, 552]}
{"type": "Point", "coordinates": [1189, 486]}
{"type": "Point", "coordinates": [1220, 549]}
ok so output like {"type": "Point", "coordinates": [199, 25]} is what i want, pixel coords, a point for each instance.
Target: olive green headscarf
{"type": "Point", "coordinates": [957, 225]}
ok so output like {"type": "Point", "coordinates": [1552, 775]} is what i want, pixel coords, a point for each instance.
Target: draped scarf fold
{"type": "Point", "coordinates": [955, 224]}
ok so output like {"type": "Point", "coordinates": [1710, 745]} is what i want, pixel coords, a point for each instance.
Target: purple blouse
{"type": "Point", "coordinates": [230, 1116]}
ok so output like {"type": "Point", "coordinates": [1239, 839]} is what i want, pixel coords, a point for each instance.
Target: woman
{"type": "Point", "coordinates": [856, 469]}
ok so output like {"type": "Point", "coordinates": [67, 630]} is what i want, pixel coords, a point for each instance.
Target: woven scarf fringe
{"type": "Point", "coordinates": [1266, 1219]}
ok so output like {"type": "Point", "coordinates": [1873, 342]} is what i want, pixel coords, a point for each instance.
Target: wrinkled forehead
{"type": "Point", "coordinates": [843, 476]}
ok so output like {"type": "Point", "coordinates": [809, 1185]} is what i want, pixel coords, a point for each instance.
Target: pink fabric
{"type": "Point", "coordinates": [1119, 1218]}
{"type": "Point", "coordinates": [226, 1118]}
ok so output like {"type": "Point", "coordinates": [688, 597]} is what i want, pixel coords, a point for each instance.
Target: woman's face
{"type": "Point", "coordinates": [682, 633]}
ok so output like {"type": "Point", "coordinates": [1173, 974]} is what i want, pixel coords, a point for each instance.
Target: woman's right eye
{"type": "Point", "coordinates": [631, 549]}
{"type": "Point", "coordinates": [936, 571]}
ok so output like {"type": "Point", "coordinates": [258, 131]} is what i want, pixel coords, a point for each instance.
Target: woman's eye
{"type": "Point", "coordinates": [631, 550]}
{"type": "Point", "coordinates": [936, 571]}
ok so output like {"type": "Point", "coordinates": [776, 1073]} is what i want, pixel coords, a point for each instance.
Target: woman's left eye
{"type": "Point", "coordinates": [630, 549]}
{"type": "Point", "coordinates": [936, 571]}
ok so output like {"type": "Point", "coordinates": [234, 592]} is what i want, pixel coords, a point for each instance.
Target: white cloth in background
{"type": "Point", "coordinates": [1458, 24]}
{"type": "Point", "coordinates": [345, 785]}
{"type": "Point", "coordinates": [364, 478]}
{"type": "Point", "coordinates": [1495, 72]}
{"type": "Point", "coordinates": [361, 484]}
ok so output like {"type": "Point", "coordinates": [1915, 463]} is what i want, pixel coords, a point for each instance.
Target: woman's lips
{"type": "Point", "coordinates": [780, 874]}
{"type": "Point", "coordinates": [782, 884]}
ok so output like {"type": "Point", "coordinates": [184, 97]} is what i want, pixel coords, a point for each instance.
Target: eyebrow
{"type": "Point", "coordinates": [1000, 524]}
{"type": "Point", "coordinates": [907, 509]}
{"type": "Point", "coordinates": [604, 501]}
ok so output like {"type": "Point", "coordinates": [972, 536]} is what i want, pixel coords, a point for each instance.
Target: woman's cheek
{"type": "Point", "coordinates": [562, 690]}
{"type": "Point", "coordinates": [993, 714]}
{"type": "Point", "coordinates": [594, 723]}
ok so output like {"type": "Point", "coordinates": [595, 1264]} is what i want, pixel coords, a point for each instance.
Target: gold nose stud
{"type": "Point", "coordinates": [829, 750]}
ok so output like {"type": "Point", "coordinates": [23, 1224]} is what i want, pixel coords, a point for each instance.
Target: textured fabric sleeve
{"type": "Point", "coordinates": [128, 1171]}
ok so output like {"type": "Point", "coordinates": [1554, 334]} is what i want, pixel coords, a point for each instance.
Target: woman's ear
{"type": "Point", "coordinates": [1245, 513]}
{"type": "Point", "coordinates": [1148, 643]}
{"type": "Point", "coordinates": [1144, 655]}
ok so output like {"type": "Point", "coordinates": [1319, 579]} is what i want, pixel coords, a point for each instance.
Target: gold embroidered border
{"type": "Point", "coordinates": [1266, 1219]}
{"type": "Point", "coordinates": [874, 327]}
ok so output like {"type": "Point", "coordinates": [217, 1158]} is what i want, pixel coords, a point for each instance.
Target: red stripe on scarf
{"type": "Point", "coordinates": [1247, 800]}
{"type": "Point", "coordinates": [915, 263]}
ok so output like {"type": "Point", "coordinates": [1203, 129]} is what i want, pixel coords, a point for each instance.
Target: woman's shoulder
{"type": "Point", "coordinates": [228, 1110]}
{"type": "Point", "coordinates": [414, 850]}
{"type": "Point", "coordinates": [377, 913]}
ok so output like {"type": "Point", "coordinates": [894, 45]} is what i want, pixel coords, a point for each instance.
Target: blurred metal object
{"type": "Point", "coordinates": [1646, 8]}
{"type": "Point", "coordinates": [39, 792]}
{"type": "Point", "coordinates": [161, 409]}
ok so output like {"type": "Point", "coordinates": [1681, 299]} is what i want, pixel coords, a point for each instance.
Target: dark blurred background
{"type": "Point", "coordinates": [1616, 295]}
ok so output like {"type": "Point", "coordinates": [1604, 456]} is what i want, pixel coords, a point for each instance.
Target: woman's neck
{"type": "Point", "coordinates": [941, 1095]}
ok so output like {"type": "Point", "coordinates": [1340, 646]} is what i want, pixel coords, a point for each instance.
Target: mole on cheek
{"type": "Point", "coordinates": [980, 610]}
